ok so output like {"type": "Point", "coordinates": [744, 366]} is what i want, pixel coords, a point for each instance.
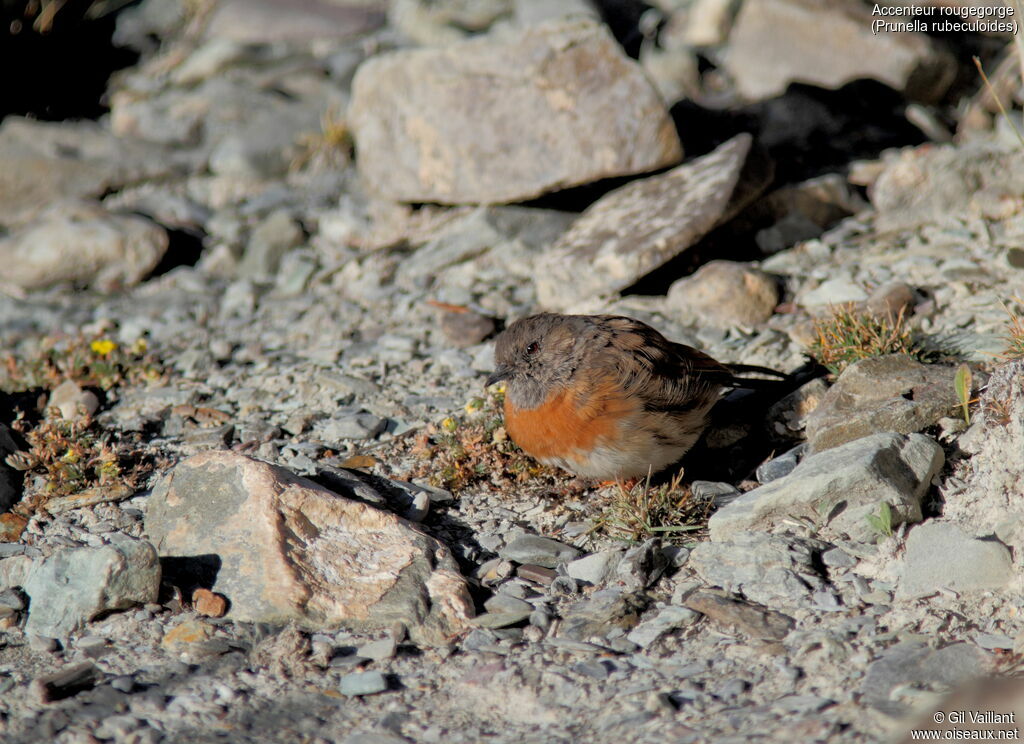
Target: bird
{"type": "Point", "coordinates": [607, 396]}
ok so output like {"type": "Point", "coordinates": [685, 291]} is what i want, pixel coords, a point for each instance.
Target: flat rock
{"type": "Point", "coordinates": [507, 118]}
{"type": "Point", "coordinates": [838, 489]}
{"type": "Point", "coordinates": [362, 683]}
{"type": "Point", "coordinates": [72, 586]}
{"type": "Point", "coordinates": [888, 393]}
{"type": "Point", "coordinates": [633, 230]}
{"type": "Point", "coordinates": [82, 243]}
{"type": "Point", "coordinates": [664, 621]}
{"type": "Point", "coordinates": [601, 613]}
{"type": "Point", "coordinates": [915, 663]}
{"type": "Point", "coordinates": [541, 551]}
{"type": "Point", "coordinates": [828, 44]}
{"type": "Point", "coordinates": [773, 570]}
{"type": "Point", "coordinates": [745, 617]}
{"type": "Point", "coordinates": [941, 555]}
{"type": "Point", "coordinates": [290, 550]}
{"type": "Point", "coordinates": [724, 294]}
{"type": "Point", "coordinates": [268, 21]}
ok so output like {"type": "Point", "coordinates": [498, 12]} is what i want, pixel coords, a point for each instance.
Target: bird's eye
{"type": "Point", "coordinates": [533, 348]}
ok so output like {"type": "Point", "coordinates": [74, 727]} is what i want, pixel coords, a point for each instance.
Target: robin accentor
{"type": "Point", "coordinates": [605, 396]}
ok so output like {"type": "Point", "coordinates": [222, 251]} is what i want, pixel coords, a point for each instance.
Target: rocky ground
{"type": "Point", "coordinates": [254, 487]}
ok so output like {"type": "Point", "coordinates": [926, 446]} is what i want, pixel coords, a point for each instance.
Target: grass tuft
{"type": "Point", "coordinates": [668, 511]}
{"type": "Point", "coordinates": [848, 335]}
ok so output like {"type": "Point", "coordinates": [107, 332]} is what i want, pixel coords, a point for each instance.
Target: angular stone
{"type": "Point", "coordinates": [915, 663]}
{"type": "Point", "coordinates": [724, 294]}
{"type": "Point", "coordinates": [604, 611]}
{"type": "Point", "coordinates": [839, 488]}
{"type": "Point", "coordinates": [72, 586]}
{"type": "Point", "coordinates": [500, 119]}
{"type": "Point", "coordinates": [82, 243]}
{"type": "Point", "coordinates": [666, 620]}
{"type": "Point", "coordinates": [362, 683]}
{"type": "Point", "coordinates": [633, 230]}
{"type": "Point", "coordinates": [888, 393]}
{"type": "Point", "coordinates": [941, 555]}
{"type": "Point", "coordinates": [829, 44]}
{"type": "Point", "coordinates": [542, 551]}
{"type": "Point", "coordinates": [773, 570]}
{"type": "Point", "coordinates": [594, 568]}
{"type": "Point", "coordinates": [289, 550]}
{"type": "Point", "coordinates": [751, 619]}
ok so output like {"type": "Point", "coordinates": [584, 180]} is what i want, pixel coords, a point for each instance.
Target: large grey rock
{"type": "Point", "coordinates": [772, 570]}
{"type": "Point", "coordinates": [934, 184]}
{"type": "Point", "coordinates": [889, 393]}
{"type": "Point", "coordinates": [72, 586]}
{"type": "Point", "coordinates": [941, 555]}
{"type": "Point", "coordinates": [839, 488]}
{"type": "Point", "coordinates": [633, 230]}
{"type": "Point", "coordinates": [915, 663]}
{"type": "Point", "coordinates": [828, 44]}
{"type": "Point", "coordinates": [82, 243]}
{"type": "Point", "coordinates": [290, 550]}
{"type": "Point", "coordinates": [500, 119]}
{"type": "Point", "coordinates": [42, 163]}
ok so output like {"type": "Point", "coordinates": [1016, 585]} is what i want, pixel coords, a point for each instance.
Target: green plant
{"type": "Point", "coordinates": [90, 362]}
{"type": "Point", "coordinates": [962, 384]}
{"type": "Point", "coordinates": [68, 456]}
{"type": "Point", "coordinates": [882, 522]}
{"type": "Point", "coordinates": [639, 512]}
{"type": "Point", "coordinates": [847, 335]}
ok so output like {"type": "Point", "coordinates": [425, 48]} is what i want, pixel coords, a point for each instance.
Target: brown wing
{"type": "Point", "coordinates": [668, 376]}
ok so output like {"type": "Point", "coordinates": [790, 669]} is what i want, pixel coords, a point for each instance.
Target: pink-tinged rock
{"type": "Point", "coordinates": [286, 549]}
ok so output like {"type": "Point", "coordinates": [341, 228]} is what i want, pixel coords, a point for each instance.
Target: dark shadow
{"type": "Point", "coordinates": [59, 72]}
{"type": "Point", "coordinates": [737, 439]}
{"type": "Point", "coordinates": [192, 572]}
{"type": "Point", "coordinates": [623, 18]}
{"type": "Point", "coordinates": [184, 248]}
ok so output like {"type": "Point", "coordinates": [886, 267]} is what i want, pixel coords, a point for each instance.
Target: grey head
{"type": "Point", "coordinates": [539, 355]}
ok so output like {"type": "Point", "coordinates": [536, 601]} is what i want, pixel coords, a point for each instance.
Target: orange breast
{"type": "Point", "coordinates": [569, 426]}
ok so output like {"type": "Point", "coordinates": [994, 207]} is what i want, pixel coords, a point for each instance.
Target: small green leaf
{"type": "Point", "coordinates": [962, 384]}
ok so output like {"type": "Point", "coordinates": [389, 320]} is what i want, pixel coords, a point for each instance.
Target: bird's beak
{"type": "Point", "coordinates": [499, 374]}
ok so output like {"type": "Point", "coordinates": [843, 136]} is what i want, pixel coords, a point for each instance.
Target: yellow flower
{"type": "Point", "coordinates": [140, 346]}
{"type": "Point", "coordinates": [103, 346]}
{"type": "Point", "coordinates": [449, 424]}
{"type": "Point", "coordinates": [476, 404]}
